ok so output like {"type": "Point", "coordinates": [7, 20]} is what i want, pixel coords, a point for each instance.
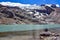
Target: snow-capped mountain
{"type": "Point", "coordinates": [19, 5]}
{"type": "Point", "coordinates": [35, 6]}
{"type": "Point", "coordinates": [35, 14]}
{"type": "Point", "coordinates": [57, 5]}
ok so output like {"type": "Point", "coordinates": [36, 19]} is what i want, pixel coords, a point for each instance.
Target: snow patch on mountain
{"type": "Point", "coordinates": [24, 5]}
{"type": "Point", "coordinates": [51, 4]}
{"type": "Point", "coordinates": [19, 5]}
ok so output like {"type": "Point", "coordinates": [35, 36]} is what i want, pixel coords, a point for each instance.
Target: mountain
{"type": "Point", "coordinates": [17, 13]}
{"type": "Point", "coordinates": [55, 16]}
{"type": "Point", "coordinates": [25, 5]}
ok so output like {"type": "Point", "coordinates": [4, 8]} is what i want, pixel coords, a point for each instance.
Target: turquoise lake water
{"type": "Point", "coordinates": [25, 27]}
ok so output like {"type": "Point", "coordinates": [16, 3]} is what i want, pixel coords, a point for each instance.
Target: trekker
{"type": "Point", "coordinates": [44, 35]}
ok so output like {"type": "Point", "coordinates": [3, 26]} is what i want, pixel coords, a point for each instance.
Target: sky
{"type": "Point", "coordinates": [38, 2]}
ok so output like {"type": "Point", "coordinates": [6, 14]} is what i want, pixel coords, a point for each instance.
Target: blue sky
{"type": "Point", "coordinates": [34, 1]}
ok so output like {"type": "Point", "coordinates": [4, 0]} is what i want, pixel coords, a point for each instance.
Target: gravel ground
{"type": "Point", "coordinates": [17, 38]}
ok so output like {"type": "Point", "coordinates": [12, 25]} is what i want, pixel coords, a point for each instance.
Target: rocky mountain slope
{"type": "Point", "coordinates": [34, 15]}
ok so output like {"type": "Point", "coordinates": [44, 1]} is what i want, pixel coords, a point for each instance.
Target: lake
{"type": "Point", "coordinates": [26, 27]}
